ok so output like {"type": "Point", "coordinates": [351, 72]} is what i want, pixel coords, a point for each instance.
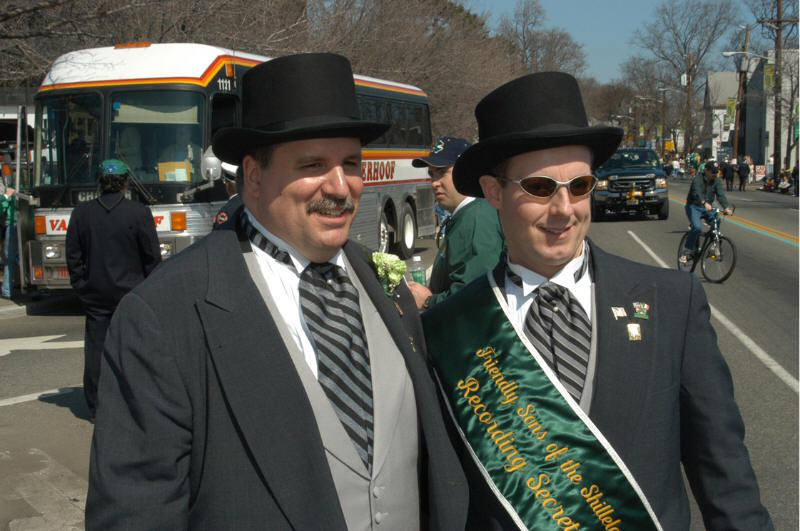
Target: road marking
{"type": "Point", "coordinates": [38, 396]}
{"type": "Point", "coordinates": [754, 226]}
{"type": "Point", "coordinates": [35, 343]}
{"type": "Point", "coordinates": [768, 361]}
{"type": "Point", "coordinates": [55, 492]}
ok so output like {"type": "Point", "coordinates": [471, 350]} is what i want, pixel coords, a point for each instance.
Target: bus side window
{"type": "Point", "coordinates": [373, 110]}
{"type": "Point", "coordinates": [397, 133]}
{"type": "Point", "coordinates": [416, 126]}
{"type": "Point", "coordinates": [223, 112]}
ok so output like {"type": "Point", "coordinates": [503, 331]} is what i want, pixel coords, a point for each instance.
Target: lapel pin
{"type": "Point", "coordinates": [640, 310]}
{"type": "Point", "coordinates": [618, 312]}
{"type": "Point", "coordinates": [634, 332]}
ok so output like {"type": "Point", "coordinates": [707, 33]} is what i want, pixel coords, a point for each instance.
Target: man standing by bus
{"type": "Point", "coordinates": [111, 247]}
{"type": "Point", "coordinates": [473, 239]}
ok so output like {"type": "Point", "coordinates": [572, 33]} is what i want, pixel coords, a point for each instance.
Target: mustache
{"type": "Point", "coordinates": [331, 206]}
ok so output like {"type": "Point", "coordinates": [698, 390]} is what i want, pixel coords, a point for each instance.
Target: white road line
{"type": "Point", "coordinates": [768, 361]}
{"type": "Point", "coordinates": [36, 396]}
{"type": "Point", "coordinates": [36, 343]}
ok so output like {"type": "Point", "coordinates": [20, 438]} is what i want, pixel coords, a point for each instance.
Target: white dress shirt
{"type": "Point", "coordinates": [520, 298]}
{"type": "Point", "coordinates": [283, 282]}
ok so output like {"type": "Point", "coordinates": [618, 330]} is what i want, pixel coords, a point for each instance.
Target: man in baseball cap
{"type": "Point", "coordinates": [473, 240]}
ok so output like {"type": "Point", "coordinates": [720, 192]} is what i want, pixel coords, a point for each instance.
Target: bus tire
{"type": "Point", "coordinates": [406, 232]}
{"type": "Point", "coordinates": [384, 234]}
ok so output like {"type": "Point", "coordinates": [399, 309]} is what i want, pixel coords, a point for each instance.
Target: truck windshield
{"type": "Point", "coordinates": [157, 133]}
{"type": "Point", "coordinates": [631, 158]}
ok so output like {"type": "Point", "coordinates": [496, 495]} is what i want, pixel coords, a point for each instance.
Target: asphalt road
{"type": "Point", "coordinates": [44, 439]}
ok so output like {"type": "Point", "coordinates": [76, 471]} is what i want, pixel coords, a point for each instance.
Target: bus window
{"type": "Point", "coordinates": [369, 108]}
{"type": "Point", "coordinates": [158, 133]}
{"type": "Point", "coordinates": [397, 132]}
{"type": "Point", "coordinates": [418, 126]}
{"type": "Point", "coordinates": [223, 112]}
{"type": "Point", "coordinates": [70, 145]}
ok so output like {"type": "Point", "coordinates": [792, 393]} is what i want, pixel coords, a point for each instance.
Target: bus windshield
{"type": "Point", "coordinates": [157, 133]}
{"type": "Point", "coordinates": [68, 146]}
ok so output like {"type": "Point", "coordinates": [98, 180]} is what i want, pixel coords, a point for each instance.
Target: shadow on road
{"type": "Point", "coordinates": [69, 397]}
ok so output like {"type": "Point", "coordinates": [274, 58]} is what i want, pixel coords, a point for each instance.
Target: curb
{"type": "Point", "coordinates": [48, 302]}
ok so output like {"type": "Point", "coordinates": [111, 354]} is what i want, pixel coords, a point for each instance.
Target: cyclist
{"type": "Point", "coordinates": [700, 201]}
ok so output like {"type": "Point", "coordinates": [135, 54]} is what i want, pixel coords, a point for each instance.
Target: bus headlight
{"type": "Point", "coordinates": [166, 250]}
{"type": "Point", "coordinates": [52, 252]}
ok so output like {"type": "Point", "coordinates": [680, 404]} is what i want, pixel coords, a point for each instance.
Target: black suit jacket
{"type": "Point", "coordinates": [111, 247]}
{"type": "Point", "coordinates": [203, 421]}
{"type": "Point", "coordinates": [662, 402]}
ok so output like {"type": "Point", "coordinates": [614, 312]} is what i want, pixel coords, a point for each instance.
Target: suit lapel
{"type": "Point", "coordinates": [624, 363]}
{"type": "Point", "coordinates": [264, 392]}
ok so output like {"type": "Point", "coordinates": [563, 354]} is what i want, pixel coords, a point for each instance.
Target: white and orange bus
{"type": "Point", "coordinates": [136, 101]}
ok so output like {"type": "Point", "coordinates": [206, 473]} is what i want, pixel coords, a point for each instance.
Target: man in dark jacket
{"type": "Point", "coordinates": [111, 246]}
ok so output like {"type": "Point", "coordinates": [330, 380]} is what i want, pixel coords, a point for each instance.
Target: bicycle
{"type": "Point", "coordinates": [716, 253]}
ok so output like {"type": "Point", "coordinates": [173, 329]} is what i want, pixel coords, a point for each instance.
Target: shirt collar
{"type": "Point", "coordinates": [463, 203]}
{"type": "Point", "coordinates": [299, 261]}
{"type": "Point", "coordinates": [568, 276]}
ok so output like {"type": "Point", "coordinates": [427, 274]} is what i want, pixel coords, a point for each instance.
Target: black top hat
{"type": "Point", "coordinates": [294, 98]}
{"type": "Point", "coordinates": [533, 112]}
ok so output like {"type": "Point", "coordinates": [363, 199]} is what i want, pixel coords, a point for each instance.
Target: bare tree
{"type": "Point", "coordinates": [537, 48]}
{"type": "Point", "coordinates": [687, 31]}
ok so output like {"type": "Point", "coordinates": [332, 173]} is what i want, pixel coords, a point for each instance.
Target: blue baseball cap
{"type": "Point", "coordinates": [443, 153]}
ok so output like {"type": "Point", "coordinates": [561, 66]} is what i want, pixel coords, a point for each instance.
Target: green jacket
{"type": "Point", "coordinates": [8, 209]}
{"type": "Point", "coordinates": [701, 192]}
{"type": "Point", "coordinates": [472, 246]}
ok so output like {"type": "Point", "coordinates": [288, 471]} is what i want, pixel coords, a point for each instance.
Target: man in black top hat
{"type": "Point", "coordinates": [111, 247]}
{"type": "Point", "coordinates": [580, 382]}
{"type": "Point", "coordinates": [473, 240]}
{"type": "Point", "coordinates": [263, 378]}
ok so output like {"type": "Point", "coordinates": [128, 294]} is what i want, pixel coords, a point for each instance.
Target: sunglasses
{"type": "Point", "coordinates": [541, 186]}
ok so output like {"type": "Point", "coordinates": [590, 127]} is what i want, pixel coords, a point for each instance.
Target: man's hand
{"type": "Point", "coordinates": [419, 292]}
{"type": "Point", "coordinates": [728, 211]}
{"type": "Point", "coordinates": [708, 206]}
{"type": "Point", "coordinates": [9, 191]}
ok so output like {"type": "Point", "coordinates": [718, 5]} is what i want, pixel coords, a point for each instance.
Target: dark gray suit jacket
{"type": "Point", "coordinates": [663, 401]}
{"type": "Point", "coordinates": [203, 422]}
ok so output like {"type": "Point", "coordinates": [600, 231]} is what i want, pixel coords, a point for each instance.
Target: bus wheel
{"type": "Point", "coordinates": [384, 234]}
{"type": "Point", "coordinates": [406, 232]}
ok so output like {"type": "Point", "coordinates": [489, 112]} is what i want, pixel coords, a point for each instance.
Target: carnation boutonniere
{"type": "Point", "coordinates": [390, 269]}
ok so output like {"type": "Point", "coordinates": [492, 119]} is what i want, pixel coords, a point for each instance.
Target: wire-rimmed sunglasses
{"type": "Point", "coordinates": [542, 186]}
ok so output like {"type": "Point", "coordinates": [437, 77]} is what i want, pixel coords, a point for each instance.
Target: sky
{"type": "Point", "coordinates": [604, 27]}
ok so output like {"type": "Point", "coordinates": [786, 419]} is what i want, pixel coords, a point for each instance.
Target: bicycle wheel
{"type": "Point", "coordinates": [717, 259]}
{"type": "Point", "coordinates": [689, 263]}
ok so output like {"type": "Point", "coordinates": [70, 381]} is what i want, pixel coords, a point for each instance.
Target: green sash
{"type": "Point", "coordinates": [550, 467]}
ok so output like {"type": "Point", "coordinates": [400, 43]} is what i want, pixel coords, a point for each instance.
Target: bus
{"type": "Point", "coordinates": [157, 107]}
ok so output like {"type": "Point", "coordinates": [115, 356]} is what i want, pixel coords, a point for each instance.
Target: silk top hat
{"type": "Point", "coordinates": [533, 112]}
{"type": "Point", "coordinates": [294, 98]}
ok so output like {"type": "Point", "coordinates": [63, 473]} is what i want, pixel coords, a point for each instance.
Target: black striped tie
{"type": "Point", "coordinates": [557, 324]}
{"type": "Point", "coordinates": [330, 307]}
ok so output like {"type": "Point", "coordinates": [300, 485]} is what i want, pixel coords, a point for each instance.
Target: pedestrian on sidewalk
{"type": "Point", "coordinates": [743, 169]}
{"type": "Point", "coordinates": [473, 239]}
{"type": "Point", "coordinates": [8, 213]}
{"type": "Point", "coordinates": [112, 246]}
{"type": "Point", "coordinates": [727, 174]}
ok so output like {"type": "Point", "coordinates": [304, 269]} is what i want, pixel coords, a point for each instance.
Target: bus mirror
{"type": "Point", "coordinates": [210, 166]}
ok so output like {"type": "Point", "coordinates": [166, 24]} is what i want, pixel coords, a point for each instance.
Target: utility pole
{"type": "Point", "coordinates": [688, 134]}
{"type": "Point", "coordinates": [740, 95]}
{"type": "Point", "coordinates": [778, 22]}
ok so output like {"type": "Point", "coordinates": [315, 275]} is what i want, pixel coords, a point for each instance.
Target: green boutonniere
{"type": "Point", "coordinates": [390, 269]}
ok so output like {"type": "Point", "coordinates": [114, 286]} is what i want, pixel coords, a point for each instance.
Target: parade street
{"type": "Point", "coordinates": [45, 437]}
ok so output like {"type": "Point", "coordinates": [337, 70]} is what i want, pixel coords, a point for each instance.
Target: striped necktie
{"type": "Point", "coordinates": [329, 303]}
{"type": "Point", "coordinates": [560, 330]}
{"type": "Point", "coordinates": [330, 307]}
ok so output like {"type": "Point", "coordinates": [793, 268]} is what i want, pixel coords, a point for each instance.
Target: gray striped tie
{"type": "Point", "coordinates": [330, 307]}
{"type": "Point", "coordinates": [557, 325]}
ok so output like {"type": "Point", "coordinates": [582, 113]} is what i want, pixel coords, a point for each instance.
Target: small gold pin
{"type": "Point", "coordinates": [634, 332]}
